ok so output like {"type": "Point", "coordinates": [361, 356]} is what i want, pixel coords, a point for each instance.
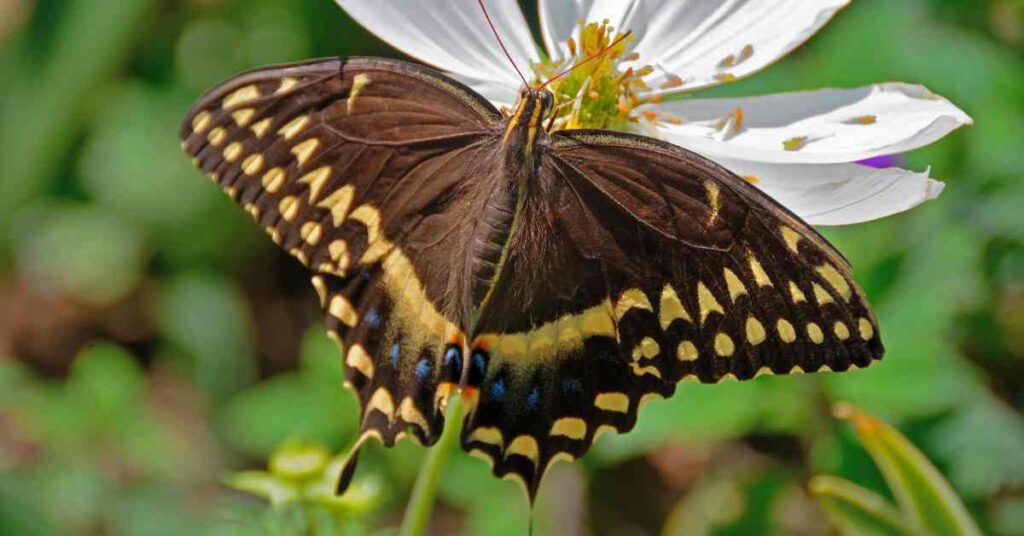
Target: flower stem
{"type": "Point", "coordinates": [421, 503]}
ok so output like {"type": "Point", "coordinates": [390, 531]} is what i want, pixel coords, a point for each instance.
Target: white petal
{"type": "Point", "coordinates": [499, 93]}
{"type": "Point", "coordinates": [839, 194]}
{"type": "Point", "coordinates": [558, 19]}
{"type": "Point", "coordinates": [452, 35]}
{"type": "Point", "coordinates": [822, 126]}
{"type": "Point", "coordinates": [691, 38]}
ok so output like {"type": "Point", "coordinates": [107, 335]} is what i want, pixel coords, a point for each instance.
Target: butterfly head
{"type": "Point", "coordinates": [521, 129]}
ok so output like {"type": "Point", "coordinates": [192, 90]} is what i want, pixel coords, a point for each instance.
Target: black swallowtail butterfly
{"type": "Point", "coordinates": [558, 279]}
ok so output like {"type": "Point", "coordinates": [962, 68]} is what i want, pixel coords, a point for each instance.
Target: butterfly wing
{"type": "Point", "coordinates": [360, 168]}
{"type": "Point", "coordinates": [640, 264]}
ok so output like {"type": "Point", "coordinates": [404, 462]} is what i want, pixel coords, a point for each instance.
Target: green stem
{"type": "Point", "coordinates": [421, 503]}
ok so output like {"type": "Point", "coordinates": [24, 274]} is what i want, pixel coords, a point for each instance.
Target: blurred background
{"type": "Point", "coordinates": [153, 341]}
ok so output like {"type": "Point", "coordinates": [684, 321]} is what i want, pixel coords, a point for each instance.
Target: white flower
{"type": "Point", "coordinates": [801, 148]}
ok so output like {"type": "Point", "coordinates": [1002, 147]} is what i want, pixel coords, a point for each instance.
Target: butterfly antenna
{"type": "Point", "coordinates": [599, 53]}
{"type": "Point", "coordinates": [501, 43]}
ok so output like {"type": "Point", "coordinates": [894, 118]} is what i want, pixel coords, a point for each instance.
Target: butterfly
{"type": "Point", "coordinates": [557, 280]}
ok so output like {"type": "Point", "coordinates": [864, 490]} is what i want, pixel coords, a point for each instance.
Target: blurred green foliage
{"type": "Point", "coordinates": [152, 341]}
{"type": "Point", "coordinates": [925, 502]}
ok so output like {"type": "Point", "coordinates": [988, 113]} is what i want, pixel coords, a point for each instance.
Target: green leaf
{"type": "Point", "coordinates": [263, 484]}
{"type": "Point", "coordinates": [207, 319]}
{"type": "Point", "coordinates": [982, 443]}
{"type": "Point", "coordinates": [856, 511]}
{"type": "Point", "coordinates": [106, 380]}
{"type": "Point", "coordinates": [259, 418]}
{"type": "Point", "coordinates": [79, 250]}
{"type": "Point", "coordinates": [924, 496]}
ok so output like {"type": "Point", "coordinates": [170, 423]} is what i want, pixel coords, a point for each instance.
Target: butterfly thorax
{"type": "Point", "coordinates": [502, 202]}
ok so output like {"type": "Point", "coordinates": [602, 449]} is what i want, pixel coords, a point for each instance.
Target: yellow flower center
{"type": "Point", "coordinates": [599, 94]}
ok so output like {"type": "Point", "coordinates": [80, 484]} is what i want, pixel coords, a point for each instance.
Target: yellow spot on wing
{"type": "Point", "coordinates": [370, 217]}
{"type": "Point", "coordinates": [755, 331]}
{"type": "Point", "coordinates": [571, 427]}
{"type": "Point", "coordinates": [640, 371]}
{"type": "Point", "coordinates": [243, 116]}
{"type": "Point", "coordinates": [241, 96]}
{"type": "Point", "coordinates": [311, 232]}
{"type": "Point", "coordinates": [786, 331]}
{"type": "Point", "coordinates": [842, 332]}
{"type": "Point", "coordinates": [381, 401]}
{"type": "Point", "coordinates": [707, 302]}
{"type": "Point", "coordinates": [714, 203]}
{"type": "Point", "coordinates": [649, 347]}
{"type": "Point", "coordinates": [791, 237]}
{"type": "Point", "coordinates": [617, 402]}
{"type": "Point", "coordinates": [598, 321]}
{"type": "Point", "coordinates": [289, 207]}
{"type": "Point", "coordinates": [671, 308]}
{"type": "Point", "coordinates": [358, 359]}
{"type": "Point", "coordinates": [341, 309]}
{"type": "Point", "coordinates": [338, 250]}
{"type": "Point", "coordinates": [686, 351]}
{"type": "Point", "coordinates": [358, 83]}
{"type": "Point", "coordinates": [321, 288]}
{"type": "Point", "coordinates": [814, 333]}
{"type": "Point", "coordinates": [252, 164]}
{"type": "Point", "coordinates": [866, 329]}
{"type": "Point", "coordinates": [760, 276]}
{"type": "Point", "coordinates": [795, 293]}
{"type": "Point", "coordinates": [294, 127]}
{"type": "Point", "coordinates": [233, 151]}
{"type": "Point", "coordinates": [525, 446]}
{"type": "Point", "coordinates": [633, 298]}
{"type": "Point", "coordinates": [201, 122]}
{"type": "Point", "coordinates": [724, 346]}
{"type": "Point", "coordinates": [273, 180]}
{"type": "Point", "coordinates": [304, 151]}
{"type": "Point", "coordinates": [489, 435]}
{"type": "Point", "coordinates": [217, 136]}
{"type": "Point", "coordinates": [316, 180]}
{"type": "Point", "coordinates": [338, 203]}
{"type": "Point", "coordinates": [408, 411]}
{"type": "Point", "coordinates": [261, 128]}
{"type": "Point", "coordinates": [821, 295]}
{"type": "Point", "coordinates": [287, 84]}
{"type": "Point", "coordinates": [734, 285]}
{"type": "Point", "coordinates": [835, 279]}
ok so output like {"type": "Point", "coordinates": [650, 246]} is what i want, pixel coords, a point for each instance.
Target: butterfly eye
{"type": "Point", "coordinates": [547, 100]}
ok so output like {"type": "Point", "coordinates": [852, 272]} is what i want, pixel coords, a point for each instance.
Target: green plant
{"type": "Point", "coordinates": [925, 502]}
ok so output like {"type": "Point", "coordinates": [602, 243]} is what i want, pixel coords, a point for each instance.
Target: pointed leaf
{"type": "Point", "coordinates": [924, 496]}
{"type": "Point", "coordinates": [856, 511]}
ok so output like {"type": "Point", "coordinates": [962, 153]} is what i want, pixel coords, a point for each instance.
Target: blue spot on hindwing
{"type": "Point", "coordinates": [395, 352]}
{"type": "Point", "coordinates": [498, 390]}
{"type": "Point", "coordinates": [372, 319]}
{"type": "Point", "coordinates": [533, 399]}
{"type": "Point", "coordinates": [423, 369]}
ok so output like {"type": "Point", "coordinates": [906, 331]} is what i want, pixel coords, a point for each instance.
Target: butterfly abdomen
{"type": "Point", "coordinates": [492, 227]}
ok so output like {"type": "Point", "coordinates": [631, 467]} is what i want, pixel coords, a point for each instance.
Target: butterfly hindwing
{"type": "Point", "coordinates": [360, 168]}
{"type": "Point", "coordinates": [655, 265]}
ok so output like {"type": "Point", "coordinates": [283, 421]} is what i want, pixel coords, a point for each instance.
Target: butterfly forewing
{"type": "Point", "coordinates": [656, 265]}
{"type": "Point", "coordinates": [360, 169]}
